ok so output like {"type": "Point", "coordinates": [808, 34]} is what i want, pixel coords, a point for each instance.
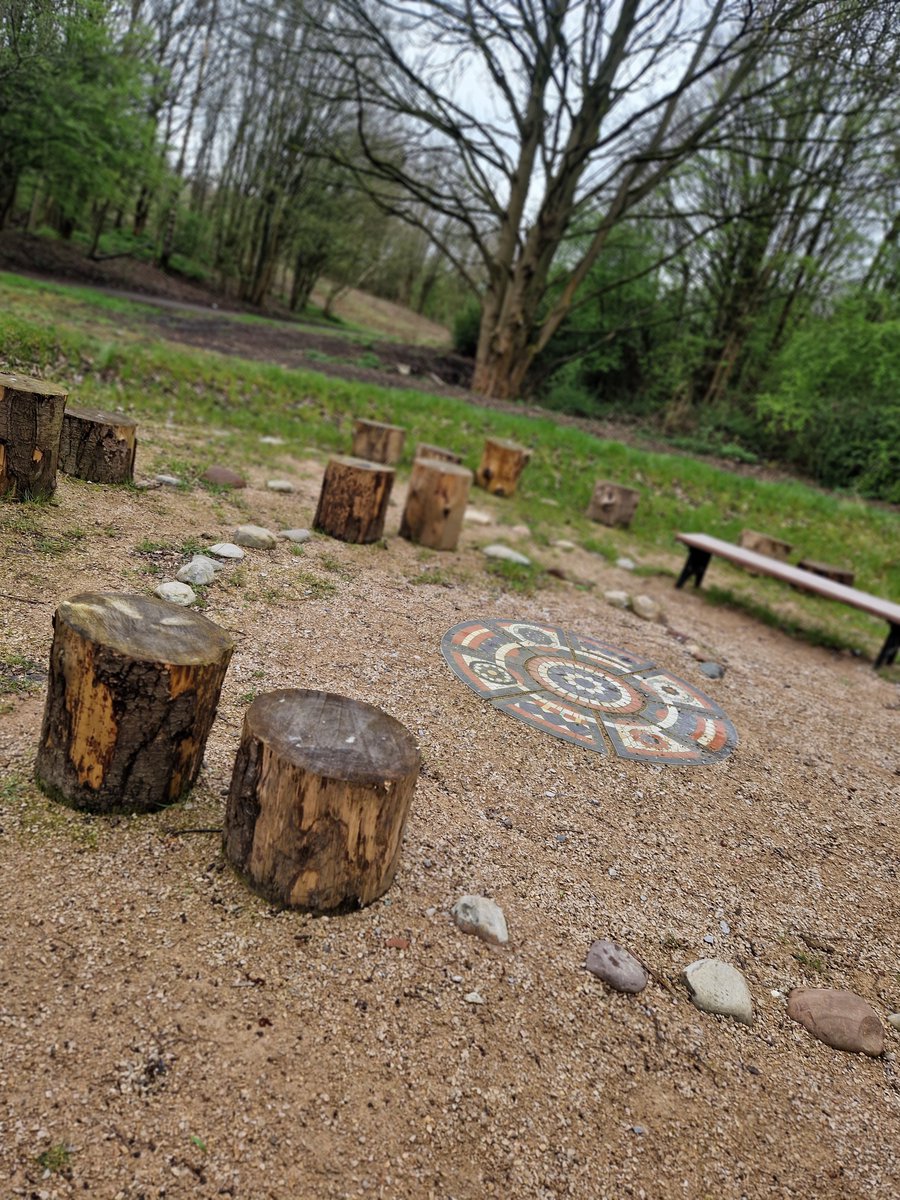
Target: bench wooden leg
{"type": "Point", "coordinates": [890, 648]}
{"type": "Point", "coordinates": [697, 562]}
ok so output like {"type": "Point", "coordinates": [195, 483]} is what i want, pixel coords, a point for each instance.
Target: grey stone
{"type": "Point", "coordinates": [223, 477]}
{"type": "Point", "coordinates": [268, 440]}
{"type": "Point", "coordinates": [626, 564]}
{"type": "Point", "coordinates": [718, 987]}
{"type": "Point", "coordinates": [712, 670]}
{"type": "Point", "coordinates": [617, 599]}
{"type": "Point", "coordinates": [838, 1018]}
{"type": "Point", "coordinates": [476, 517]}
{"type": "Point", "coordinates": [614, 965]}
{"type": "Point", "coordinates": [168, 480]}
{"type": "Point", "coordinates": [298, 536]}
{"type": "Point", "coordinates": [226, 550]}
{"type": "Point", "coordinates": [254, 537]}
{"type": "Point", "coordinates": [484, 918]}
{"type": "Point", "coordinates": [199, 571]}
{"type": "Point", "coordinates": [506, 554]}
{"type": "Point", "coordinates": [646, 608]}
{"type": "Point", "coordinates": [280, 485]}
{"type": "Point", "coordinates": [564, 544]}
{"type": "Point", "coordinates": [894, 1019]}
{"type": "Point", "coordinates": [177, 593]}
{"type": "Point", "coordinates": [473, 998]}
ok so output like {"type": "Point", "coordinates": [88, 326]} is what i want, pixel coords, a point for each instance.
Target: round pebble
{"type": "Point", "coordinates": [616, 966]}
{"type": "Point", "coordinates": [177, 593]}
{"type": "Point", "coordinates": [717, 987]}
{"type": "Point", "coordinates": [227, 550]}
{"type": "Point", "coordinates": [506, 554]}
{"type": "Point", "coordinates": [255, 537]}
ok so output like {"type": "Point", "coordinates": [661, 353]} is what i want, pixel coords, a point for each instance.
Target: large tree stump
{"type": "Point", "coordinates": [98, 446]}
{"type": "Point", "coordinates": [425, 450]}
{"type": "Point", "coordinates": [377, 442]}
{"type": "Point", "coordinates": [31, 419]}
{"type": "Point", "coordinates": [354, 499]}
{"type": "Point", "coordinates": [319, 797]}
{"type": "Point", "coordinates": [613, 504]}
{"type": "Point", "coordinates": [764, 543]}
{"type": "Point", "coordinates": [134, 684]}
{"type": "Point", "coordinates": [435, 503]}
{"type": "Point", "coordinates": [502, 462]}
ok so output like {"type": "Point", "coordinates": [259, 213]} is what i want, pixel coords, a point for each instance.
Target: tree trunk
{"type": "Point", "coordinates": [612, 504]}
{"type": "Point", "coordinates": [97, 446]}
{"type": "Point", "coordinates": [502, 463]}
{"type": "Point", "coordinates": [134, 685]}
{"type": "Point", "coordinates": [354, 499]}
{"type": "Point", "coordinates": [435, 503]}
{"type": "Point", "coordinates": [319, 798]}
{"type": "Point", "coordinates": [31, 420]}
{"type": "Point", "coordinates": [376, 442]}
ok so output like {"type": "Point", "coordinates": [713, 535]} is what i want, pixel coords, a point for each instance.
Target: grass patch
{"type": "Point", "coordinates": [516, 577]}
{"type": "Point", "coordinates": [815, 635]}
{"type": "Point", "coordinates": [314, 587]}
{"type": "Point", "coordinates": [57, 1159]}
{"type": "Point", "coordinates": [437, 577]}
{"type": "Point", "coordinates": [20, 675]}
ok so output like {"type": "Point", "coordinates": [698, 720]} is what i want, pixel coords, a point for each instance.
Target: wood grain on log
{"type": "Point", "coordinates": [502, 463]}
{"type": "Point", "coordinates": [425, 450]}
{"type": "Point", "coordinates": [354, 499]}
{"type": "Point", "coordinates": [133, 689]}
{"type": "Point", "coordinates": [377, 442]}
{"type": "Point", "coordinates": [31, 418]}
{"type": "Point", "coordinates": [612, 503]}
{"type": "Point", "coordinates": [319, 799]}
{"type": "Point", "coordinates": [97, 446]}
{"type": "Point", "coordinates": [435, 503]}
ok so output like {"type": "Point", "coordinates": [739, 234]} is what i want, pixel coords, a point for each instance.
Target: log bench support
{"type": "Point", "coordinates": [701, 548]}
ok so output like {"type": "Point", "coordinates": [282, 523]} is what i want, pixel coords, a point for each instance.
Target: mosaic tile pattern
{"type": "Point", "coordinates": [582, 690]}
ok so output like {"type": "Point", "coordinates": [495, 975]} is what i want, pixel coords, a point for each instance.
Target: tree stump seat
{"type": "Point", "coordinates": [502, 463]}
{"type": "Point", "coordinates": [353, 500]}
{"type": "Point", "coordinates": [133, 689]}
{"type": "Point", "coordinates": [435, 503]}
{"type": "Point", "coordinates": [319, 798]}
{"type": "Point", "coordinates": [31, 420]}
{"type": "Point", "coordinates": [426, 450]}
{"type": "Point", "coordinates": [845, 575]}
{"type": "Point", "coordinates": [613, 504]}
{"type": "Point", "coordinates": [97, 446]}
{"type": "Point", "coordinates": [764, 543]}
{"type": "Point", "coordinates": [377, 442]}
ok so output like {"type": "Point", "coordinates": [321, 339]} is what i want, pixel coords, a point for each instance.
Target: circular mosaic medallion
{"type": "Point", "coordinates": [583, 690]}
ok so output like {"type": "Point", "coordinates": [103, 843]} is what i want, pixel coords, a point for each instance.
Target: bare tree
{"type": "Point", "coordinates": [512, 118]}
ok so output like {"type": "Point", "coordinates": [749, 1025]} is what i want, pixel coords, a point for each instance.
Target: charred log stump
{"type": "Point", "coordinates": [377, 442]}
{"type": "Point", "coordinates": [97, 446]}
{"type": "Point", "coordinates": [435, 503]}
{"type": "Point", "coordinates": [613, 504]}
{"type": "Point", "coordinates": [31, 419]}
{"type": "Point", "coordinates": [354, 499]}
{"type": "Point", "coordinates": [502, 462]}
{"type": "Point", "coordinates": [319, 798]}
{"type": "Point", "coordinates": [133, 689]}
{"type": "Point", "coordinates": [424, 450]}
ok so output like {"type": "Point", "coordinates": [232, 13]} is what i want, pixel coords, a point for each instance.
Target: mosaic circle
{"type": "Point", "coordinates": [582, 689]}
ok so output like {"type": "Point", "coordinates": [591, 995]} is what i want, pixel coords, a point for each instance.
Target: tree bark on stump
{"type": "Point", "coordinates": [435, 503]}
{"type": "Point", "coordinates": [613, 504]}
{"type": "Point", "coordinates": [354, 499]}
{"type": "Point", "coordinates": [31, 419]}
{"type": "Point", "coordinates": [424, 450]}
{"type": "Point", "coordinates": [764, 543]}
{"type": "Point", "coordinates": [502, 462]}
{"type": "Point", "coordinates": [134, 685]}
{"type": "Point", "coordinates": [376, 442]}
{"type": "Point", "coordinates": [97, 446]}
{"type": "Point", "coordinates": [318, 801]}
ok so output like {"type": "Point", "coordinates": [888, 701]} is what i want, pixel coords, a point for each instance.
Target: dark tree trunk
{"type": "Point", "coordinates": [97, 446]}
{"type": "Point", "coordinates": [31, 420]}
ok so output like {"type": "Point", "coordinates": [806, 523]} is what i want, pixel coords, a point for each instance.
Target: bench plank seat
{"type": "Point", "coordinates": [701, 547]}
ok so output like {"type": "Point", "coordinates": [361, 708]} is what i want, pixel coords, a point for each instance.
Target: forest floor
{"type": "Point", "coordinates": [166, 1033]}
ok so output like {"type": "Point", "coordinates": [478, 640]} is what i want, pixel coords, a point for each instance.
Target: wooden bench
{"type": "Point", "coordinates": [701, 548]}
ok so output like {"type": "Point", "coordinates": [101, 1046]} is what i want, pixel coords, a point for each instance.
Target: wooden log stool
{"type": "Point", "coordinates": [31, 419]}
{"type": "Point", "coordinates": [318, 801]}
{"type": "Point", "coordinates": [97, 446]}
{"type": "Point", "coordinates": [502, 462]}
{"type": "Point", "coordinates": [425, 450]}
{"type": "Point", "coordinates": [843, 575]}
{"type": "Point", "coordinates": [612, 504]}
{"type": "Point", "coordinates": [354, 499]}
{"type": "Point", "coordinates": [764, 543]}
{"type": "Point", "coordinates": [435, 503]}
{"type": "Point", "coordinates": [377, 442]}
{"type": "Point", "coordinates": [134, 685]}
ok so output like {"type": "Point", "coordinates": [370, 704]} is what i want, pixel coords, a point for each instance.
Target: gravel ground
{"type": "Point", "coordinates": [165, 1033]}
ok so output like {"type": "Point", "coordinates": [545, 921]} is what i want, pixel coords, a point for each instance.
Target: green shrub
{"type": "Point", "coordinates": [466, 325]}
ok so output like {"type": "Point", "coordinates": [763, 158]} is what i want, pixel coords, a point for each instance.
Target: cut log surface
{"type": "Point", "coordinates": [764, 543]}
{"type": "Point", "coordinates": [377, 442]}
{"type": "Point", "coordinates": [613, 504]}
{"type": "Point", "coordinates": [133, 689]}
{"type": "Point", "coordinates": [502, 463]}
{"type": "Point", "coordinates": [319, 799]}
{"type": "Point", "coordinates": [354, 499]}
{"type": "Point", "coordinates": [425, 450]}
{"type": "Point", "coordinates": [31, 419]}
{"type": "Point", "coordinates": [435, 503]}
{"type": "Point", "coordinates": [97, 446]}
